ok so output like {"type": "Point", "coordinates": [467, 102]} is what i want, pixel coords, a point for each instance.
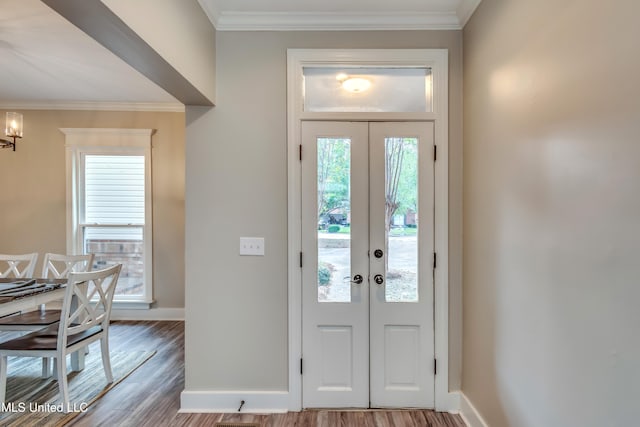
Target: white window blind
{"type": "Point", "coordinates": [114, 189]}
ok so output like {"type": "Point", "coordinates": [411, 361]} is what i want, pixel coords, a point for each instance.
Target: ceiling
{"type": "Point", "coordinates": [49, 63]}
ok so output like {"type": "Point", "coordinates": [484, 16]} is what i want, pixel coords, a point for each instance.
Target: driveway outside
{"type": "Point", "coordinates": [401, 278]}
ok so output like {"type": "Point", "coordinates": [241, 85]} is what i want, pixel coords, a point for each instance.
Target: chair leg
{"type": "Point", "coordinates": [54, 367]}
{"type": "Point", "coordinates": [62, 380]}
{"type": "Point", "coordinates": [3, 378]}
{"type": "Point", "coordinates": [46, 367]}
{"type": "Point", "coordinates": [106, 358]}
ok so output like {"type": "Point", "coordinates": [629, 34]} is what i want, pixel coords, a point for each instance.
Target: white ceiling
{"type": "Point", "coordinates": [49, 63]}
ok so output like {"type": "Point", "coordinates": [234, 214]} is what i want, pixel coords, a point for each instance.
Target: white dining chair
{"type": "Point", "coordinates": [18, 266]}
{"type": "Point", "coordinates": [86, 313]}
{"type": "Point", "coordinates": [55, 266]}
{"type": "Point", "coordinates": [58, 266]}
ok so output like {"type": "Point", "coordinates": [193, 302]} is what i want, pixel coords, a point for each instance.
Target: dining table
{"type": "Point", "coordinates": [27, 294]}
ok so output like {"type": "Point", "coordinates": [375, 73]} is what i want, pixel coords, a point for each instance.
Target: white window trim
{"type": "Point", "coordinates": [79, 141]}
{"type": "Point", "coordinates": [437, 60]}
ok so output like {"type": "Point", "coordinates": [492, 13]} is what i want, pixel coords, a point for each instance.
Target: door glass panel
{"type": "Point", "coordinates": [334, 219]}
{"type": "Point", "coordinates": [401, 219]}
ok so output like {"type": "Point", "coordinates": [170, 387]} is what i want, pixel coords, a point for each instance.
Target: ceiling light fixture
{"type": "Point", "coordinates": [353, 84]}
{"type": "Point", "coordinates": [13, 130]}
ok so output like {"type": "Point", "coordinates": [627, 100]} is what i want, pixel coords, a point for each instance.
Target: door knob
{"type": "Point", "coordinates": [378, 253]}
{"type": "Point", "coordinates": [378, 279]}
{"type": "Point", "coordinates": [357, 279]}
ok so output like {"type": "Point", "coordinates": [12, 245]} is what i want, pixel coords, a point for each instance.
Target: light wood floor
{"type": "Point", "coordinates": [151, 395]}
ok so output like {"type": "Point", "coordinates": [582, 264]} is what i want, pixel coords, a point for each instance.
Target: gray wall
{"type": "Point", "coordinates": [551, 213]}
{"type": "Point", "coordinates": [236, 323]}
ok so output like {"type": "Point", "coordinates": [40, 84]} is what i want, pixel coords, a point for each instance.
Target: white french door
{"type": "Point", "coordinates": [367, 277]}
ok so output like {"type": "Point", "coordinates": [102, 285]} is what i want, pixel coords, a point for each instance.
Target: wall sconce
{"type": "Point", "coordinates": [13, 129]}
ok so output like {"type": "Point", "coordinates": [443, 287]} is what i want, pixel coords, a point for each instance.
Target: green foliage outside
{"type": "Point", "coordinates": [324, 274]}
{"type": "Point", "coordinates": [403, 231]}
{"type": "Point", "coordinates": [334, 157]}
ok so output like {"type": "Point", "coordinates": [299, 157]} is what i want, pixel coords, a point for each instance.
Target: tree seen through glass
{"type": "Point", "coordinates": [334, 218]}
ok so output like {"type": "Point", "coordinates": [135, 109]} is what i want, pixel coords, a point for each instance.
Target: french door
{"type": "Point", "coordinates": [367, 279]}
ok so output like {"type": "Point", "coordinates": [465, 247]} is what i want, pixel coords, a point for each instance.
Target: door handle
{"type": "Point", "coordinates": [378, 279]}
{"type": "Point", "coordinates": [357, 279]}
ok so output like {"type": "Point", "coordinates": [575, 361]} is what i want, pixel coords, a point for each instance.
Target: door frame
{"type": "Point", "coordinates": [437, 60]}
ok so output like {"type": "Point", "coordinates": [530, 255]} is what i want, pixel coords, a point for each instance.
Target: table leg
{"type": "Point", "coordinates": [77, 359]}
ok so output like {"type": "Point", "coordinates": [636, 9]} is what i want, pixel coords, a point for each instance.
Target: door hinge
{"type": "Point", "coordinates": [435, 153]}
{"type": "Point", "coordinates": [300, 152]}
{"type": "Point", "coordinates": [435, 367]}
{"type": "Point", "coordinates": [435, 261]}
{"type": "Point", "coordinates": [300, 259]}
{"type": "Point", "coordinates": [301, 366]}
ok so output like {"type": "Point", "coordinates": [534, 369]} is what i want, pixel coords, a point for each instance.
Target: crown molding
{"type": "Point", "coordinates": [95, 106]}
{"type": "Point", "coordinates": [465, 10]}
{"type": "Point", "coordinates": [333, 21]}
{"type": "Point", "coordinates": [210, 11]}
{"type": "Point", "coordinates": [338, 21]}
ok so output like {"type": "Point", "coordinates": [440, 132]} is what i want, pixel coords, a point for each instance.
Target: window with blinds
{"type": "Point", "coordinates": [114, 212]}
{"type": "Point", "coordinates": [110, 187]}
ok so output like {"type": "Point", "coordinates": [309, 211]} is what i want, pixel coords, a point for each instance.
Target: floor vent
{"type": "Point", "coordinates": [225, 424]}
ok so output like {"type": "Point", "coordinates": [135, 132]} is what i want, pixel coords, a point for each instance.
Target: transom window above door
{"type": "Point", "coordinates": [373, 89]}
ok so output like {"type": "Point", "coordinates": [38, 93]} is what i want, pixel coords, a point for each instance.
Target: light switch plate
{"type": "Point", "coordinates": [252, 246]}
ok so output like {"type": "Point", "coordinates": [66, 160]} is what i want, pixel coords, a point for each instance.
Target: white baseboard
{"type": "Point", "coordinates": [255, 402]}
{"type": "Point", "coordinates": [452, 403]}
{"type": "Point", "coordinates": [268, 402]}
{"type": "Point", "coordinates": [470, 414]}
{"type": "Point", "coordinates": [151, 314]}
{"type": "Point", "coordinates": [137, 313]}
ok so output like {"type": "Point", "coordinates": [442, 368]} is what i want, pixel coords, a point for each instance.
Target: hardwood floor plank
{"type": "Point", "coordinates": [150, 396]}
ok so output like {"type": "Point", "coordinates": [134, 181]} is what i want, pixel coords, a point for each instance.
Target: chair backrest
{"type": "Point", "coordinates": [85, 313]}
{"type": "Point", "coordinates": [18, 266]}
{"type": "Point", "coordinates": [57, 266]}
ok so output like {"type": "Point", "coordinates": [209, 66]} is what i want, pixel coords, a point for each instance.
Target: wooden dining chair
{"type": "Point", "coordinates": [86, 312]}
{"type": "Point", "coordinates": [55, 266]}
{"type": "Point", "coordinates": [18, 266]}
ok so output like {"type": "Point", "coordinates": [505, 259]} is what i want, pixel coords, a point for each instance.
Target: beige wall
{"type": "Point", "coordinates": [33, 216]}
{"type": "Point", "coordinates": [551, 213]}
{"type": "Point", "coordinates": [237, 186]}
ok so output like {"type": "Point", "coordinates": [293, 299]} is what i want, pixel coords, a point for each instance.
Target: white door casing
{"type": "Point", "coordinates": [437, 60]}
